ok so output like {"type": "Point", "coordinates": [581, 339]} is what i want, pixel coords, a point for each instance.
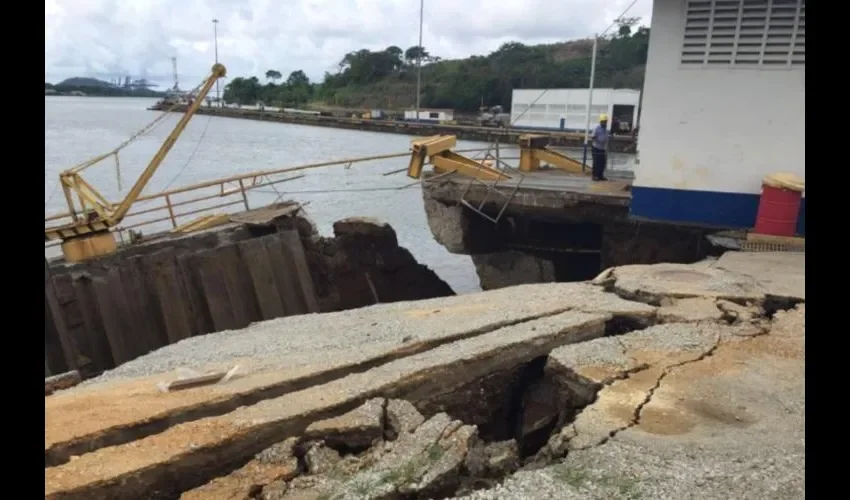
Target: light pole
{"type": "Point", "coordinates": [589, 102]}
{"type": "Point", "coordinates": [592, 75]}
{"type": "Point", "coordinates": [215, 44]}
{"type": "Point", "coordinates": [419, 58]}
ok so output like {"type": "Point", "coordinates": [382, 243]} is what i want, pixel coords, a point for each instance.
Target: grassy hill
{"type": "Point", "coordinates": [387, 79]}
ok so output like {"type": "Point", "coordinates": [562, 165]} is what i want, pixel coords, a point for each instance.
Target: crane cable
{"type": "Point", "coordinates": [141, 132]}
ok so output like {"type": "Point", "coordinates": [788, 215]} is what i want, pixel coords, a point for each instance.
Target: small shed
{"type": "Point", "coordinates": [430, 115]}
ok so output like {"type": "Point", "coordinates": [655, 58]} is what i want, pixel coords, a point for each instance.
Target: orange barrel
{"type": "Point", "coordinates": [779, 206]}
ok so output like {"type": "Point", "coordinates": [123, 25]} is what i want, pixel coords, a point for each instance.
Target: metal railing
{"type": "Point", "coordinates": [173, 206]}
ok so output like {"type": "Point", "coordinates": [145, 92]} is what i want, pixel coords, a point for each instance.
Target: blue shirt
{"type": "Point", "coordinates": [599, 137]}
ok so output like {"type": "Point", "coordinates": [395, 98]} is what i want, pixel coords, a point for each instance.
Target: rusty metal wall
{"type": "Point", "coordinates": [94, 322]}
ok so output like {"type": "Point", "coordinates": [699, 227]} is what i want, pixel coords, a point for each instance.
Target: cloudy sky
{"type": "Point", "coordinates": [109, 38]}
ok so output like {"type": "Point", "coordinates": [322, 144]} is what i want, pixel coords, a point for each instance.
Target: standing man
{"type": "Point", "coordinates": [599, 146]}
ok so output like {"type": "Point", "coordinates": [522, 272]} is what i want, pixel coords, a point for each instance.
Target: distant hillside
{"type": "Point", "coordinates": [387, 79]}
{"type": "Point", "coordinates": [97, 88]}
{"type": "Point", "coordinates": [83, 82]}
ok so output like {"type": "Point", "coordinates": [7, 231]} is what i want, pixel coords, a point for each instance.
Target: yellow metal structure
{"type": "Point", "coordinates": [201, 223]}
{"type": "Point", "coordinates": [437, 151]}
{"type": "Point", "coordinates": [79, 249]}
{"type": "Point", "coordinates": [534, 150]}
{"type": "Point", "coordinates": [96, 215]}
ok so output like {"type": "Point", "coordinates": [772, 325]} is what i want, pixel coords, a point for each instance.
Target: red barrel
{"type": "Point", "coordinates": [779, 206]}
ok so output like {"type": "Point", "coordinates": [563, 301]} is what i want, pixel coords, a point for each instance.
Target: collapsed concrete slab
{"type": "Point", "coordinates": [554, 394]}
{"type": "Point", "coordinates": [214, 444]}
{"type": "Point", "coordinates": [289, 354]}
{"type": "Point", "coordinates": [682, 411]}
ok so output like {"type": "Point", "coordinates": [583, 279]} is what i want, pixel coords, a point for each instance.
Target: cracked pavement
{"type": "Point", "coordinates": [708, 402]}
{"type": "Point", "coordinates": [701, 406]}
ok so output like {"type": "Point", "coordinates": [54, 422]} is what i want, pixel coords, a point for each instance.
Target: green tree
{"type": "Point", "coordinates": [365, 78]}
{"type": "Point", "coordinates": [273, 75]}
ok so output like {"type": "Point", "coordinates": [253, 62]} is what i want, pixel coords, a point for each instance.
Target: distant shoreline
{"type": "Point", "coordinates": [69, 94]}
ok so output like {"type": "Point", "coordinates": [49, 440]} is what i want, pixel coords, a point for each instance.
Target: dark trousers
{"type": "Point", "coordinates": [600, 157]}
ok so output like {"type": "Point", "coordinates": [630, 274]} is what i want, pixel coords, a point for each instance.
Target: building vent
{"type": "Point", "coordinates": [746, 33]}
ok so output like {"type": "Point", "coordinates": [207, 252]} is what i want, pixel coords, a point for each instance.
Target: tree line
{"type": "Point", "coordinates": [387, 78]}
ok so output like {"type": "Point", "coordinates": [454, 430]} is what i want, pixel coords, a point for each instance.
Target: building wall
{"type": "Point", "coordinates": [710, 131]}
{"type": "Point", "coordinates": [532, 108]}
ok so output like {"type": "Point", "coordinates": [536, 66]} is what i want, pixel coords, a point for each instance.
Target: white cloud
{"type": "Point", "coordinates": [112, 38]}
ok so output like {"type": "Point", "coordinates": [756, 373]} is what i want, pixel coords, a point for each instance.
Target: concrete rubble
{"type": "Point", "coordinates": [664, 381]}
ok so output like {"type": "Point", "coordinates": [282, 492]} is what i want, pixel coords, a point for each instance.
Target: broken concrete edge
{"type": "Point", "coordinates": [60, 452]}
{"type": "Point", "coordinates": [589, 428]}
{"type": "Point", "coordinates": [609, 280]}
{"type": "Point", "coordinates": [61, 381]}
{"type": "Point", "coordinates": [238, 436]}
{"type": "Point", "coordinates": [326, 474]}
{"type": "Point", "coordinates": [553, 449]}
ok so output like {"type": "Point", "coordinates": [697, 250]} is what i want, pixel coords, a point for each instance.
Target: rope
{"type": "Point", "coordinates": [144, 130]}
{"type": "Point", "coordinates": [191, 156]}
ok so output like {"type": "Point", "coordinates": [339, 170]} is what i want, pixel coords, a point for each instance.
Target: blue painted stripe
{"type": "Point", "coordinates": [718, 209]}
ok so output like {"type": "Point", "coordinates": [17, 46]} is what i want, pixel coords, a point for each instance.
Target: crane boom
{"type": "Point", "coordinates": [87, 235]}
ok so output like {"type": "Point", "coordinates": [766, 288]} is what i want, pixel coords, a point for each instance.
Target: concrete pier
{"type": "Point", "coordinates": [619, 144]}
{"type": "Point", "coordinates": [550, 226]}
{"type": "Point", "coordinates": [448, 397]}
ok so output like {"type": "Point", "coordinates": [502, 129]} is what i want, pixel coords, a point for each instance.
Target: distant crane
{"type": "Point", "coordinates": [176, 87]}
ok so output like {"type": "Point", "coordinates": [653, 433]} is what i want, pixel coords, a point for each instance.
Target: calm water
{"type": "Point", "coordinates": [78, 128]}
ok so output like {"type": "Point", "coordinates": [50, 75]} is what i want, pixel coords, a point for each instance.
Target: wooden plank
{"type": "Point", "coordinates": [302, 269]}
{"type": "Point", "coordinates": [243, 303]}
{"type": "Point", "coordinates": [200, 319]}
{"type": "Point", "coordinates": [215, 291]}
{"type": "Point", "coordinates": [792, 241]}
{"type": "Point", "coordinates": [58, 320]}
{"type": "Point", "coordinates": [100, 354]}
{"type": "Point", "coordinates": [171, 296]}
{"type": "Point", "coordinates": [262, 278]}
{"type": "Point", "coordinates": [284, 274]}
{"type": "Point", "coordinates": [111, 303]}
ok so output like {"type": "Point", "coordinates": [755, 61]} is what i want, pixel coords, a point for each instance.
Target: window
{"type": "Point", "coordinates": [433, 115]}
{"type": "Point", "coordinates": [747, 33]}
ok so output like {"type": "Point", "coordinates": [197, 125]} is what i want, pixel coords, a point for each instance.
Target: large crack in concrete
{"type": "Point", "coordinates": [61, 452]}
{"type": "Point", "coordinates": [483, 423]}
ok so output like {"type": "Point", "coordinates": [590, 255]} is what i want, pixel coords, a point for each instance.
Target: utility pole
{"type": "Point", "coordinates": [592, 75]}
{"type": "Point", "coordinates": [589, 103]}
{"type": "Point", "coordinates": [419, 58]}
{"type": "Point", "coordinates": [176, 87]}
{"type": "Point", "coordinates": [215, 44]}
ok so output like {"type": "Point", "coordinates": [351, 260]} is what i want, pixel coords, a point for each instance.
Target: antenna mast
{"type": "Point", "coordinates": [176, 87]}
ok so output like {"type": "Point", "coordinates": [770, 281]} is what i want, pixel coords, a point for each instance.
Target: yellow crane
{"type": "Point", "coordinates": [88, 234]}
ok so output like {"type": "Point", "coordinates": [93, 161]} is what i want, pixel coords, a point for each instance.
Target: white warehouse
{"type": "Point", "coordinates": [723, 106]}
{"type": "Point", "coordinates": [566, 109]}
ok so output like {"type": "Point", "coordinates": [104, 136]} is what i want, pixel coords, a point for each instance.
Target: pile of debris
{"type": "Point", "coordinates": [383, 449]}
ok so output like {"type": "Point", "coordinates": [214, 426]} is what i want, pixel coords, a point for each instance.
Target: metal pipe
{"type": "Point", "coordinates": [589, 103]}
{"type": "Point", "coordinates": [215, 43]}
{"type": "Point", "coordinates": [419, 58]}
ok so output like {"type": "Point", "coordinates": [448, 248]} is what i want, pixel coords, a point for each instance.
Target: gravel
{"type": "Point", "coordinates": [348, 336]}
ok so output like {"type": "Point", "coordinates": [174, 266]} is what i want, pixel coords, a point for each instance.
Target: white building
{"type": "Point", "coordinates": [566, 109]}
{"type": "Point", "coordinates": [430, 115]}
{"type": "Point", "coordinates": [723, 106]}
